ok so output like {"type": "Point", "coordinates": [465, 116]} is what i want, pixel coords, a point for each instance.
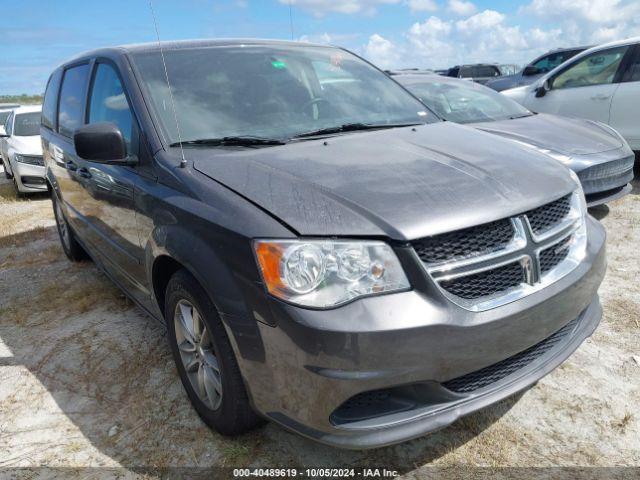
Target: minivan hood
{"type": "Point", "coordinates": [31, 145]}
{"type": "Point", "coordinates": [400, 183]}
{"type": "Point", "coordinates": [568, 136]}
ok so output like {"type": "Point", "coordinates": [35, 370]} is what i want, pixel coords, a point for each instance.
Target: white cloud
{"type": "Point", "coordinates": [438, 43]}
{"type": "Point", "coordinates": [589, 21]}
{"type": "Point", "coordinates": [480, 21]}
{"type": "Point", "coordinates": [382, 52]}
{"type": "Point", "coordinates": [422, 5]}
{"type": "Point", "coordinates": [598, 11]}
{"type": "Point", "coordinates": [322, 7]}
{"type": "Point", "coordinates": [461, 7]}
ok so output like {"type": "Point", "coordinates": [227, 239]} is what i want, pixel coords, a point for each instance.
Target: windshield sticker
{"type": "Point", "coordinates": [278, 64]}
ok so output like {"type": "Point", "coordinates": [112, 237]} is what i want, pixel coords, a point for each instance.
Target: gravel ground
{"type": "Point", "coordinates": [86, 379]}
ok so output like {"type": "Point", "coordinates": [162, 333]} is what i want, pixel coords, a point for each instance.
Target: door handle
{"type": "Point", "coordinates": [71, 165]}
{"type": "Point", "coordinates": [84, 173]}
{"type": "Point", "coordinates": [600, 96]}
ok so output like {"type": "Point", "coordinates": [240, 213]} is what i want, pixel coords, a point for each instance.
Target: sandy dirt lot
{"type": "Point", "coordinates": [86, 379]}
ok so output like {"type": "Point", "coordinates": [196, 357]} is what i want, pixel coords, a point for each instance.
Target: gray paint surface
{"type": "Point", "coordinates": [401, 183]}
{"type": "Point", "coordinates": [300, 364]}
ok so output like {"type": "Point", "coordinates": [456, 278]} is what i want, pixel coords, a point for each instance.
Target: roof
{"type": "Point", "coordinates": [617, 43]}
{"type": "Point", "coordinates": [476, 65]}
{"type": "Point", "coordinates": [410, 79]}
{"type": "Point", "coordinates": [198, 43]}
{"type": "Point", "coordinates": [28, 109]}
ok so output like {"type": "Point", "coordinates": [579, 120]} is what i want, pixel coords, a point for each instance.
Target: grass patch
{"type": "Point", "coordinates": [73, 291]}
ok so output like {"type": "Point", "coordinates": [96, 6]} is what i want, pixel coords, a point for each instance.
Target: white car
{"type": "Point", "coordinates": [22, 150]}
{"type": "Point", "coordinates": [5, 110]}
{"type": "Point", "coordinates": [601, 83]}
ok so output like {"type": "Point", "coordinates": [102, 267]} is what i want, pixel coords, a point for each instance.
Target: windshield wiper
{"type": "Point", "coordinates": [514, 117]}
{"type": "Point", "coordinates": [352, 127]}
{"type": "Point", "coordinates": [240, 141]}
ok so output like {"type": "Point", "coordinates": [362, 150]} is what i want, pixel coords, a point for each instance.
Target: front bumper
{"type": "Point", "coordinates": [605, 176]}
{"type": "Point", "coordinates": [303, 370]}
{"type": "Point", "coordinates": [29, 178]}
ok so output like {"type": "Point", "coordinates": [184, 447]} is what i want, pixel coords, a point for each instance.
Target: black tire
{"type": "Point", "coordinates": [72, 249]}
{"type": "Point", "coordinates": [19, 194]}
{"type": "Point", "coordinates": [234, 415]}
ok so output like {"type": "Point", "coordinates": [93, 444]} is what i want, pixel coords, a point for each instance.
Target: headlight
{"type": "Point", "coordinates": [28, 159]}
{"type": "Point", "coordinates": [579, 210]}
{"type": "Point", "coordinates": [328, 273]}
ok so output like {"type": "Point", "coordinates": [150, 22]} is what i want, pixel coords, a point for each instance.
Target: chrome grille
{"type": "Point", "coordinates": [488, 282]}
{"type": "Point", "coordinates": [543, 245]}
{"type": "Point", "coordinates": [550, 257]}
{"type": "Point", "coordinates": [466, 243]}
{"type": "Point", "coordinates": [607, 176]}
{"type": "Point", "coordinates": [547, 216]}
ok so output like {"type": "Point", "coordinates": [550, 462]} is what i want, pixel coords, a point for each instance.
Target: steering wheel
{"type": "Point", "coordinates": [313, 101]}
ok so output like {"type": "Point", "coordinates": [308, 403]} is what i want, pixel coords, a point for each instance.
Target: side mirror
{"type": "Point", "coordinates": [3, 132]}
{"type": "Point", "coordinates": [531, 70]}
{"type": "Point", "coordinates": [542, 90]}
{"type": "Point", "coordinates": [101, 142]}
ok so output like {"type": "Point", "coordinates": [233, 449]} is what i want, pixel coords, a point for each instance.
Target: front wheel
{"type": "Point", "coordinates": [204, 358]}
{"type": "Point", "coordinates": [72, 249]}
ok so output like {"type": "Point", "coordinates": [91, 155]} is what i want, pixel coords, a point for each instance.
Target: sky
{"type": "Point", "coordinates": [37, 35]}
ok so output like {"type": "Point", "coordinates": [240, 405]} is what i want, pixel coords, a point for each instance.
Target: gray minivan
{"type": "Point", "coordinates": [325, 252]}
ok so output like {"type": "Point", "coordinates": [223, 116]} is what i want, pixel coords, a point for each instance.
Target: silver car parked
{"type": "Point", "coordinates": [596, 152]}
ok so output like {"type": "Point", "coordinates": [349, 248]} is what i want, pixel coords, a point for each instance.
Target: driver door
{"type": "Point", "coordinates": [586, 87]}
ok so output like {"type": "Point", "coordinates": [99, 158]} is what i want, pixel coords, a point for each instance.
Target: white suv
{"type": "Point", "coordinates": [21, 150]}
{"type": "Point", "coordinates": [602, 84]}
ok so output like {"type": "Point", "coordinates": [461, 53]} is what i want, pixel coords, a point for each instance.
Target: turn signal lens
{"type": "Point", "coordinates": [326, 273]}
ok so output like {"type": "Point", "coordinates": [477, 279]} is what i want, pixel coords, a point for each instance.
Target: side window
{"type": "Point", "coordinates": [599, 68]}
{"type": "Point", "coordinates": [9, 125]}
{"type": "Point", "coordinates": [466, 72]}
{"type": "Point", "coordinates": [551, 61]}
{"type": "Point", "coordinates": [486, 71]}
{"type": "Point", "coordinates": [50, 104]}
{"type": "Point", "coordinates": [72, 99]}
{"type": "Point", "coordinates": [633, 70]}
{"type": "Point", "coordinates": [108, 102]}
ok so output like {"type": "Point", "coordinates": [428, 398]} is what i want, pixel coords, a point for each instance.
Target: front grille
{"type": "Point", "coordinates": [466, 243]}
{"type": "Point", "coordinates": [496, 372]}
{"type": "Point", "coordinates": [552, 256]}
{"type": "Point", "coordinates": [488, 282]}
{"type": "Point", "coordinates": [607, 176]}
{"type": "Point", "coordinates": [476, 267]}
{"type": "Point", "coordinates": [544, 218]}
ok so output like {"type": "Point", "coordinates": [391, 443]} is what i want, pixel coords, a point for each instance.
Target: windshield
{"type": "Point", "coordinates": [3, 117]}
{"type": "Point", "coordinates": [270, 91]}
{"type": "Point", "coordinates": [465, 102]}
{"type": "Point", "coordinates": [27, 124]}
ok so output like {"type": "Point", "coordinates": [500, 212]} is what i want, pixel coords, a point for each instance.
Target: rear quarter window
{"type": "Point", "coordinates": [50, 104]}
{"type": "Point", "coordinates": [72, 99]}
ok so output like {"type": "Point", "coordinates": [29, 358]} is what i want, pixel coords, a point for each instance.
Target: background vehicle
{"type": "Point", "coordinates": [5, 110]}
{"type": "Point", "coordinates": [508, 68]}
{"type": "Point", "coordinates": [315, 239]}
{"type": "Point", "coordinates": [22, 150]}
{"type": "Point", "coordinates": [481, 72]}
{"type": "Point", "coordinates": [538, 67]}
{"type": "Point", "coordinates": [601, 84]}
{"type": "Point", "coordinates": [598, 154]}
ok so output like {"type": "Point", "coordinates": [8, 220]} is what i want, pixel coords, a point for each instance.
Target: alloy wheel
{"type": "Point", "coordinates": [197, 354]}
